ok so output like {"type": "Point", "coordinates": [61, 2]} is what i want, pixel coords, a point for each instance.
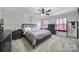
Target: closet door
{"type": "Point", "coordinates": [72, 29]}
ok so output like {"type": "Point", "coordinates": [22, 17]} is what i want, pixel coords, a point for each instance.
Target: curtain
{"type": "Point", "coordinates": [61, 24]}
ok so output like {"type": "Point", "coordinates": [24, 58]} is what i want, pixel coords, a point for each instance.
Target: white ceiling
{"type": "Point", "coordinates": [33, 10]}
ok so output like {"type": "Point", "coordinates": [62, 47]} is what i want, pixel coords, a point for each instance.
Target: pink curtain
{"type": "Point", "coordinates": [61, 24]}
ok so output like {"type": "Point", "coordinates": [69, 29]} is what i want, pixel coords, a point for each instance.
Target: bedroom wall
{"type": "Point", "coordinates": [12, 20]}
{"type": "Point", "coordinates": [32, 19]}
{"type": "Point", "coordinates": [36, 19]}
{"type": "Point", "coordinates": [0, 12]}
{"type": "Point", "coordinates": [71, 16]}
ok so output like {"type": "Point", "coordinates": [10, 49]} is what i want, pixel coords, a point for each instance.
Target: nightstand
{"type": "Point", "coordinates": [16, 34]}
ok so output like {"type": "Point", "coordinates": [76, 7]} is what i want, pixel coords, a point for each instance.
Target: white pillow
{"type": "Point", "coordinates": [35, 28]}
{"type": "Point", "coordinates": [26, 29]}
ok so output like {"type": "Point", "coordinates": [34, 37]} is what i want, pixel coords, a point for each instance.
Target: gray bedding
{"type": "Point", "coordinates": [34, 35]}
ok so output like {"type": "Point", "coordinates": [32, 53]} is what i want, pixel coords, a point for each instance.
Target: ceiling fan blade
{"type": "Point", "coordinates": [43, 11]}
{"type": "Point", "coordinates": [48, 10]}
{"type": "Point", "coordinates": [39, 10]}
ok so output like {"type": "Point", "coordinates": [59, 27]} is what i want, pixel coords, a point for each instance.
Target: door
{"type": "Point", "coordinates": [72, 29]}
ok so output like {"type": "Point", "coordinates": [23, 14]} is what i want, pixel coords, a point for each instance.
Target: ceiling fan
{"type": "Point", "coordinates": [44, 12]}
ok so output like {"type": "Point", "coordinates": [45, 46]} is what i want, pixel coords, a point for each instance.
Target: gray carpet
{"type": "Point", "coordinates": [53, 44]}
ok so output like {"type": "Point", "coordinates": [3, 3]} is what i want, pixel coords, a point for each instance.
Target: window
{"type": "Point", "coordinates": [61, 24]}
{"type": "Point", "coordinates": [38, 24]}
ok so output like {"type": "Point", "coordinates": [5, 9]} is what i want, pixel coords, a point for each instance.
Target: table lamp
{"type": "Point", "coordinates": [1, 24]}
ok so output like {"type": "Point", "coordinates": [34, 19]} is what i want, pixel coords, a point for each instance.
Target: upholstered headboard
{"type": "Point", "coordinates": [29, 25]}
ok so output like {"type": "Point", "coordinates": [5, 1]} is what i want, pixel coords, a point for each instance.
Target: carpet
{"type": "Point", "coordinates": [53, 44]}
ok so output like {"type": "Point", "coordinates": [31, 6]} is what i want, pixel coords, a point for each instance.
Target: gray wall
{"type": "Point", "coordinates": [34, 19]}
{"type": "Point", "coordinates": [12, 20]}
{"type": "Point", "coordinates": [0, 12]}
{"type": "Point", "coordinates": [71, 16]}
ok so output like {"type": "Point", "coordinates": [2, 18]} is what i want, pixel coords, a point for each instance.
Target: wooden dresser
{"type": "Point", "coordinates": [5, 41]}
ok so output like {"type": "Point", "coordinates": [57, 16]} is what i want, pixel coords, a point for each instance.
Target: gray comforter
{"type": "Point", "coordinates": [34, 35]}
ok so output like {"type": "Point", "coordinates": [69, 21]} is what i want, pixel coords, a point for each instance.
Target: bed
{"type": "Point", "coordinates": [35, 35]}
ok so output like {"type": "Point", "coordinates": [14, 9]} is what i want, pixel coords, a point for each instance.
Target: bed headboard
{"type": "Point", "coordinates": [29, 25]}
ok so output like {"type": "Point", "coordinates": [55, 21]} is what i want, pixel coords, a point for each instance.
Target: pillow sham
{"type": "Point", "coordinates": [35, 28]}
{"type": "Point", "coordinates": [26, 29]}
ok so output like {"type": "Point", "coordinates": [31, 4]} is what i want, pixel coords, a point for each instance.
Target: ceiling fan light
{"type": "Point", "coordinates": [48, 10]}
{"type": "Point", "coordinates": [41, 14]}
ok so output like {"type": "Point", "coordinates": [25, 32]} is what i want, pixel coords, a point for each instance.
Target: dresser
{"type": "Point", "coordinates": [5, 41]}
{"type": "Point", "coordinates": [51, 27]}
